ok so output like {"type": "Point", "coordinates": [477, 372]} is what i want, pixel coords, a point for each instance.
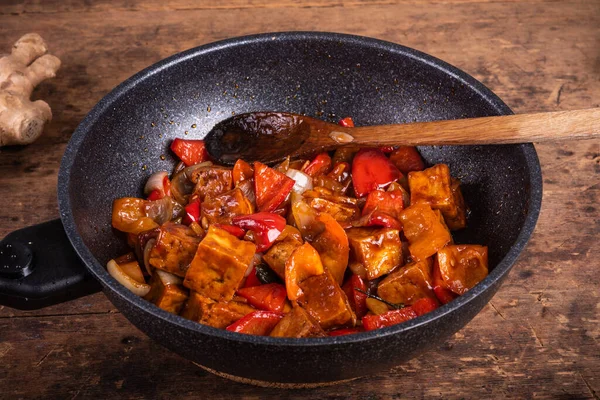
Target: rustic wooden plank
{"type": "Point", "coordinates": [539, 335]}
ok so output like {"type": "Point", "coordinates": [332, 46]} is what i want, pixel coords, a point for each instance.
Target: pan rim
{"type": "Point", "coordinates": [99, 272]}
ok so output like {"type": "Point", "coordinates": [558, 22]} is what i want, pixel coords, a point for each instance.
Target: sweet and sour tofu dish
{"type": "Point", "coordinates": [345, 242]}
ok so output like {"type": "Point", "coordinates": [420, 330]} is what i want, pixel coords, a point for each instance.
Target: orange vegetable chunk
{"type": "Point", "coordinates": [425, 230]}
{"type": "Point", "coordinates": [302, 264]}
{"type": "Point", "coordinates": [463, 266]}
{"type": "Point", "coordinates": [333, 247]}
{"type": "Point", "coordinates": [297, 323]}
{"type": "Point", "coordinates": [375, 252]}
{"type": "Point", "coordinates": [174, 249]}
{"type": "Point", "coordinates": [129, 215]}
{"type": "Point", "coordinates": [409, 284]}
{"type": "Point", "coordinates": [218, 267]}
{"type": "Point", "coordinates": [276, 257]}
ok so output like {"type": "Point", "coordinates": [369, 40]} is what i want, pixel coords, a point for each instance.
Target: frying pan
{"type": "Point", "coordinates": [125, 138]}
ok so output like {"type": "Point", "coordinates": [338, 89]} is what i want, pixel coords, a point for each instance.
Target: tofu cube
{"type": "Point", "coordinates": [276, 257]}
{"type": "Point", "coordinates": [211, 181]}
{"type": "Point", "coordinates": [219, 265]}
{"type": "Point", "coordinates": [459, 220]}
{"type": "Point", "coordinates": [434, 187]}
{"type": "Point", "coordinates": [298, 324]}
{"type": "Point", "coordinates": [223, 207]}
{"type": "Point", "coordinates": [374, 252]}
{"type": "Point", "coordinates": [340, 212]}
{"type": "Point", "coordinates": [174, 249]}
{"type": "Point", "coordinates": [463, 266]}
{"type": "Point", "coordinates": [166, 292]}
{"type": "Point", "coordinates": [326, 302]}
{"type": "Point", "coordinates": [425, 230]}
{"type": "Point", "coordinates": [216, 314]}
{"type": "Point", "coordinates": [409, 284]}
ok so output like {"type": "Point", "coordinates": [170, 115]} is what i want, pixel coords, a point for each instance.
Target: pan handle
{"type": "Point", "coordinates": [39, 268]}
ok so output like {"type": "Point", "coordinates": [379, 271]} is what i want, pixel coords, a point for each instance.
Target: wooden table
{"type": "Point", "coordinates": [539, 335]}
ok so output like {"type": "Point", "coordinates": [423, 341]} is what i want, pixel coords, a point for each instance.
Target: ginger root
{"type": "Point", "coordinates": [21, 120]}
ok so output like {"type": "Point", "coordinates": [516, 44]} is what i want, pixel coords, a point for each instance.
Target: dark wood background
{"type": "Point", "coordinates": [538, 338]}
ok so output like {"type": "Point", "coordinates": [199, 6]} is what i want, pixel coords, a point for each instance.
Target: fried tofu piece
{"type": "Point", "coordinates": [288, 241]}
{"type": "Point", "coordinates": [222, 208]}
{"type": "Point", "coordinates": [219, 265]}
{"type": "Point", "coordinates": [326, 302]}
{"type": "Point", "coordinates": [435, 187]}
{"type": "Point", "coordinates": [425, 230]}
{"type": "Point", "coordinates": [174, 248]}
{"type": "Point", "coordinates": [375, 252]}
{"type": "Point", "coordinates": [458, 221]}
{"type": "Point", "coordinates": [463, 266]}
{"type": "Point", "coordinates": [410, 283]}
{"type": "Point", "coordinates": [166, 292]}
{"type": "Point", "coordinates": [298, 324]}
{"type": "Point", "coordinates": [216, 314]}
{"type": "Point", "coordinates": [341, 212]}
{"type": "Point", "coordinates": [211, 181]}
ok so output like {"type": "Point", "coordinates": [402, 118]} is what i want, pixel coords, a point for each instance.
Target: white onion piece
{"type": "Point", "coordinates": [147, 249]}
{"type": "Point", "coordinates": [168, 278]}
{"type": "Point", "coordinates": [156, 182]}
{"type": "Point", "coordinates": [255, 261]}
{"type": "Point", "coordinates": [140, 289]}
{"type": "Point", "coordinates": [302, 182]}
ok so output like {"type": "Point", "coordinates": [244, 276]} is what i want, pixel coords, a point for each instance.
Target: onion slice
{"type": "Point", "coordinates": [156, 182]}
{"type": "Point", "coordinates": [168, 278]}
{"type": "Point", "coordinates": [140, 289]}
{"type": "Point", "coordinates": [302, 182]}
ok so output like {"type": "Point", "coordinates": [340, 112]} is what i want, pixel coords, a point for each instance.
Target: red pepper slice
{"type": "Point", "coordinates": [345, 331]}
{"type": "Point", "coordinates": [440, 289]}
{"type": "Point", "coordinates": [252, 279]}
{"type": "Point", "coordinates": [155, 195]}
{"type": "Point", "coordinates": [379, 218]}
{"type": "Point", "coordinates": [319, 166]}
{"type": "Point", "coordinates": [234, 230]}
{"type": "Point", "coordinates": [259, 323]}
{"type": "Point", "coordinates": [424, 305]}
{"type": "Point", "coordinates": [190, 151]}
{"type": "Point", "coordinates": [406, 159]}
{"type": "Point", "coordinates": [271, 187]}
{"type": "Point", "coordinates": [192, 211]}
{"type": "Point", "coordinates": [347, 122]}
{"type": "Point", "coordinates": [389, 318]}
{"type": "Point", "coordinates": [357, 299]}
{"type": "Point", "coordinates": [269, 297]}
{"type": "Point", "coordinates": [266, 227]}
{"type": "Point", "coordinates": [371, 170]}
{"type": "Point", "coordinates": [387, 149]}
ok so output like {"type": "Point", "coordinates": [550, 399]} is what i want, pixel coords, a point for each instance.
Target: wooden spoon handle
{"type": "Point", "coordinates": [521, 128]}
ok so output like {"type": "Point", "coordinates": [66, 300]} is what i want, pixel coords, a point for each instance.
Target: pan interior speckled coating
{"type": "Point", "coordinates": [125, 138]}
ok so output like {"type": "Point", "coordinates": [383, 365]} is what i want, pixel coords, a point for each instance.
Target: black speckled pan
{"type": "Point", "coordinates": [125, 138]}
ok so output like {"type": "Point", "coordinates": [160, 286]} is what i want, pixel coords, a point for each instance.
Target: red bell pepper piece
{"type": "Point", "coordinates": [389, 318]}
{"type": "Point", "coordinates": [155, 195]}
{"type": "Point", "coordinates": [440, 289]}
{"type": "Point", "coordinates": [192, 211]}
{"type": "Point", "coordinates": [424, 305]}
{"type": "Point", "coordinates": [357, 299]}
{"type": "Point", "coordinates": [266, 227]}
{"type": "Point", "coordinates": [252, 279]}
{"type": "Point", "coordinates": [387, 149]}
{"type": "Point", "coordinates": [345, 331]}
{"type": "Point", "coordinates": [406, 159]}
{"type": "Point", "coordinates": [371, 170]}
{"type": "Point", "coordinates": [319, 166]}
{"type": "Point", "coordinates": [271, 187]}
{"type": "Point", "coordinates": [256, 323]}
{"type": "Point", "coordinates": [346, 122]}
{"type": "Point", "coordinates": [269, 297]}
{"type": "Point", "coordinates": [391, 203]}
{"type": "Point", "coordinates": [378, 218]}
{"type": "Point", "coordinates": [190, 151]}
{"type": "Point", "coordinates": [234, 230]}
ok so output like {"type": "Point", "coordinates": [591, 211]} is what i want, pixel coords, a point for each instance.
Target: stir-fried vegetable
{"type": "Point", "coordinates": [335, 245]}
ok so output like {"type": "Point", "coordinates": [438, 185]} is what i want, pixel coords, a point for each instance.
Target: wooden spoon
{"type": "Point", "coordinates": [271, 136]}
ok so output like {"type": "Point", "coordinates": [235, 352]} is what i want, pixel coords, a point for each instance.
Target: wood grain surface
{"type": "Point", "coordinates": [537, 338]}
